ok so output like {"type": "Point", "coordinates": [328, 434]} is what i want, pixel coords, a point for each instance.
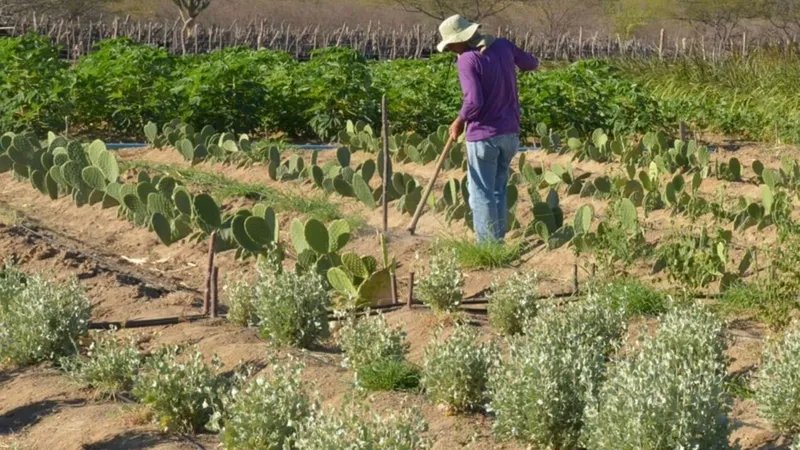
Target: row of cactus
{"type": "Point", "coordinates": [58, 167]}
{"type": "Point", "coordinates": [195, 146]}
{"type": "Point", "coordinates": [90, 175]}
{"type": "Point", "coordinates": [406, 147]}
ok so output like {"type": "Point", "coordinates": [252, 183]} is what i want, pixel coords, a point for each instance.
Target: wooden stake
{"type": "Point", "coordinates": [214, 292]}
{"type": "Point", "coordinates": [410, 300]}
{"type": "Point", "coordinates": [575, 278]}
{"type": "Point", "coordinates": [207, 300]}
{"type": "Point", "coordinates": [393, 277]}
{"type": "Point", "coordinates": [661, 46]}
{"type": "Point", "coordinates": [386, 162]}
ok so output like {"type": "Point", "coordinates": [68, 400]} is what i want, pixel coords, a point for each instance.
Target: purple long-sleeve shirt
{"type": "Point", "coordinates": [489, 83]}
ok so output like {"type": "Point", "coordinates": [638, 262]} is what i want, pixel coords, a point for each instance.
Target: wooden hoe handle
{"type": "Point", "coordinates": [412, 227]}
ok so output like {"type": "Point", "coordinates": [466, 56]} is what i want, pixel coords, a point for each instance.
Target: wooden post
{"type": "Point", "coordinates": [214, 292]}
{"type": "Point", "coordinates": [410, 300]}
{"type": "Point", "coordinates": [393, 277]}
{"type": "Point", "coordinates": [386, 163]}
{"type": "Point", "coordinates": [575, 278]}
{"type": "Point", "coordinates": [661, 46]}
{"type": "Point", "coordinates": [207, 300]}
{"type": "Point", "coordinates": [682, 129]}
{"type": "Point", "coordinates": [744, 44]}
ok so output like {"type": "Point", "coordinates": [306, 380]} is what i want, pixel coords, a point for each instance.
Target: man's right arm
{"type": "Point", "coordinates": [524, 60]}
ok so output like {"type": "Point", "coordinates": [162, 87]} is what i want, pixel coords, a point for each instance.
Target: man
{"type": "Point", "coordinates": [486, 69]}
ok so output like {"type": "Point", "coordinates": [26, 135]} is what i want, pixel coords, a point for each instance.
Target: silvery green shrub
{"type": "Point", "coordinates": [348, 429]}
{"type": "Point", "coordinates": [369, 339]}
{"type": "Point", "coordinates": [266, 413]}
{"type": "Point", "coordinates": [441, 287]}
{"type": "Point", "coordinates": [669, 393]}
{"type": "Point", "coordinates": [291, 307]}
{"type": "Point", "coordinates": [39, 320]}
{"type": "Point", "coordinates": [241, 303]}
{"type": "Point", "coordinates": [513, 302]}
{"type": "Point", "coordinates": [110, 365]}
{"type": "Point", "coordinates": [778, 388]}
{"type": "Point", "coordinates": [455, 370]}
{"type": "Point", "coordinates": [540, 389]}
{"type": "Point", "coordinates": [182, 389]}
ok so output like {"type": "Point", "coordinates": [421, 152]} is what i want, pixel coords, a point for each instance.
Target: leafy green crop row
{"type": "Point", "coordinates": [123, 85]}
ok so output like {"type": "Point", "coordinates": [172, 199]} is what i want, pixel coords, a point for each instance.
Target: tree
{"type": "Point", "coordinates": [189, 10]}
{"type": "Point", "coordinates": [784, 15]}
{"type": "Point", "coordinates": [441, 9]}
{"type": "Point", "coordinates": [723, 17]}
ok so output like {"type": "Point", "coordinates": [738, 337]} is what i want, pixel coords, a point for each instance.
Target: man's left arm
{"type": "Point", "coordinates": [473, 94]}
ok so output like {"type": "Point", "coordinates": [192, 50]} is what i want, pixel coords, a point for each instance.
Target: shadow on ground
{"type": "Point", "coordinates": [20, 418]}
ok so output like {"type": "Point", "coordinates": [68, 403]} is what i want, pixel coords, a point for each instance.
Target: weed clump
{"type": "Point", "coordinates": [634, 298]}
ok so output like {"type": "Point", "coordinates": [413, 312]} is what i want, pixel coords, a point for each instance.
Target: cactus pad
{"type": "Point", "coordinates": [340, 282]}
{"type": "Point", "coordinates": [338, 234]}
{"type": "Point", "coordinates": [207, 211]}
{"type": "Point", "coordinates": [94, 178]}
{"type": "Point", "coordinates": [259, 231]}
{"type": "Point", "coordinates": [363, 192]}
{"type": "Point", "coordinates": [316, 236]}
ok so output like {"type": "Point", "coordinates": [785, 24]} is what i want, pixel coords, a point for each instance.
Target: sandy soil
{"type": "Point", "coordinates": [129, 275]}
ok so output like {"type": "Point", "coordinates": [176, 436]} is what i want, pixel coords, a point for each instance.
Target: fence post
{"type": "Point", "coordinates": [661, 46]}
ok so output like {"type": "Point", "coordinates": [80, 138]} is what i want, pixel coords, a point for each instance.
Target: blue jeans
{"type": "Point", "coordinates": [488, 164]}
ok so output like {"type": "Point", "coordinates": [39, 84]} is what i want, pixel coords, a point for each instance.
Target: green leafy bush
{"type": "Point", "coordinates": [423, 94]}
{"type": "Point", "coordinates": [513, 303]}
{"type": "Point", "coordinates": [34, 84]}
{"type": "Point", "coordinates": [540, 390]}
{"type": "Point", "coordinates": [440, 288]}
{"type": "Point", "coordinates": [266, 413]}
{"type": "Point", "coordinates": [389, 374]}
{"type": "Point", "coordinates": [633, 297]}
{"type": "Point", "coordinates": [182, 389]}
{"type": "Point", "coordinates": [455, 371]}
{"type": "Point", "coordinates": [587, 95]}
{"type": "Point", "coordinates": [110, 364]}
{"type": "Point", "coordinates": [336, 87]}
{"type": "Point", "coordinates": [123, 85]}
{"type": "Point", "coordinates": [777, 390]}
{"type": "Point", "coordinates": [291, 307]}
{"type": "Point", "coordinates": [669, 393]}
{"type": "Point", "coordinates": [349, 429]}
{"type": "Point", "coordinates": [234, 89]}
{"type": "Point", "coordinates": [39, 320]}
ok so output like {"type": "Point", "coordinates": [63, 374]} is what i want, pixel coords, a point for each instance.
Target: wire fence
{"type": "Point", "coordinates": [77, 37]}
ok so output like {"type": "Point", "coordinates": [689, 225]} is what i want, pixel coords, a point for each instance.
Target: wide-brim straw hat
{"type": "Point", "coordinates": [456, 29]}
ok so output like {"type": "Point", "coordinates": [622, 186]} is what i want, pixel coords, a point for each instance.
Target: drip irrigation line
{"type": "Point", "coordinates": [123, 145]}
{"type": "Point", "coordinates": [145, 323]}
{"type": "Point", "coordinates": [100, 262]}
